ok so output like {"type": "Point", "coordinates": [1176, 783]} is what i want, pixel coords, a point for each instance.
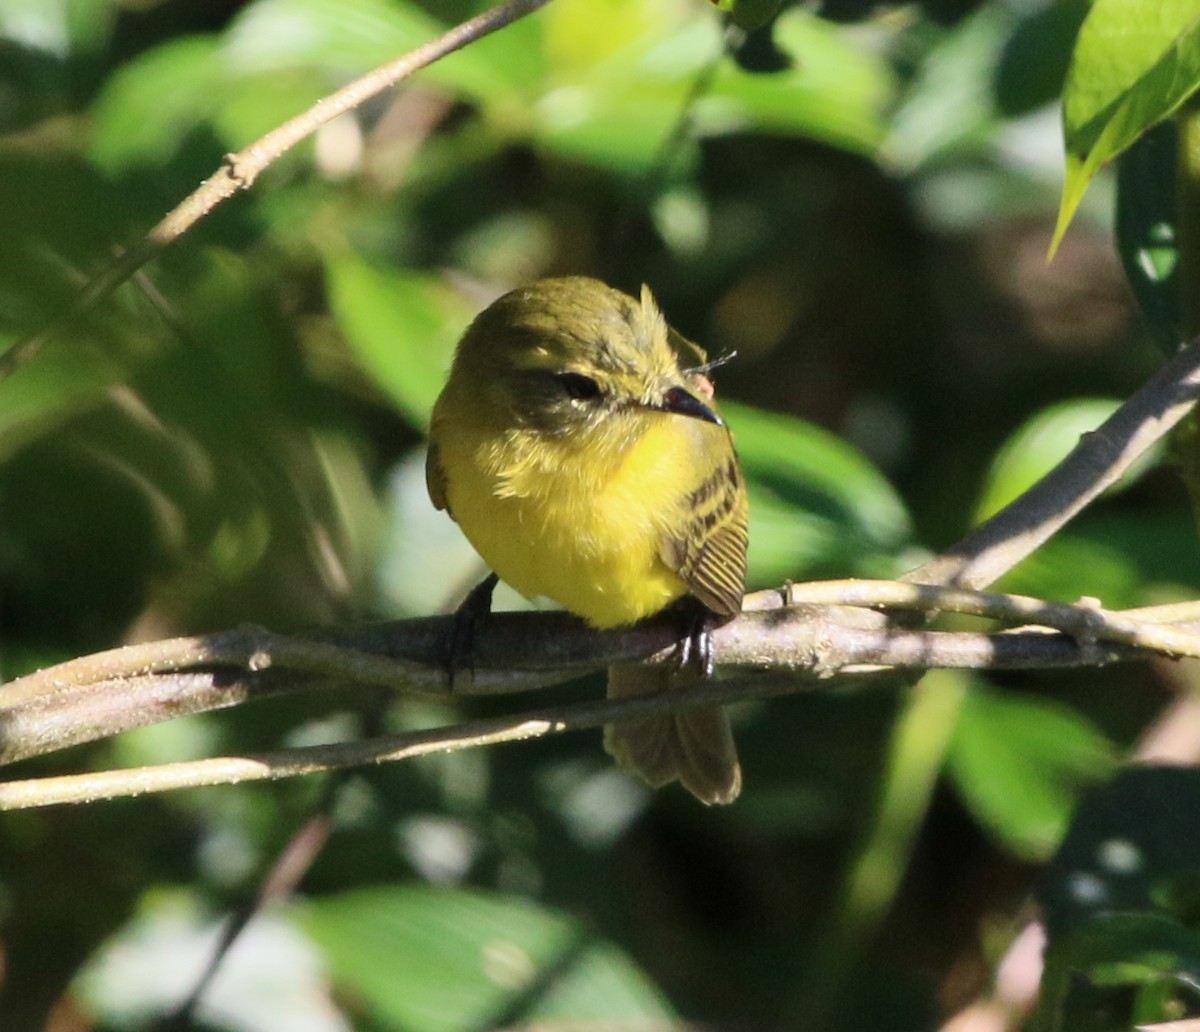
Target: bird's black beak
{"type": "Point", "coordinates": [685, 404]}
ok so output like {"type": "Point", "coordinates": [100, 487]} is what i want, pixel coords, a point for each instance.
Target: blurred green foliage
{"type": "Point", "coordinates": [858, 199]}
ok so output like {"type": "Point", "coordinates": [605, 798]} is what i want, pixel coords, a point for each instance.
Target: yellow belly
{"type": "Point", "coordinates": [583, 534]}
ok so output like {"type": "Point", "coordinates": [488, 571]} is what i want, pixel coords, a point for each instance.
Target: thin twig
{"type": "Point", "coordinates": [1084, 621]}
{"type": "Point", "coordinates": [239, 171]}
{"type": "Point", "coordinates": [285, 875]}
{"type": "Point", "coordinates": [286, 763]}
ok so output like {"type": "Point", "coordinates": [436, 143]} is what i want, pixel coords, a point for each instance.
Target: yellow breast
{"type": "Point", "coordinates": [578, 523]}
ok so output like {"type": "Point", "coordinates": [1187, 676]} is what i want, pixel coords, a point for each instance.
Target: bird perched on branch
{"type": "Point", "coordinates": [577, 445]}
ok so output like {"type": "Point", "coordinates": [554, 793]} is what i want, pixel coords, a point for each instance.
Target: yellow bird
{"type": "Point", "coordinates": [587, 465]}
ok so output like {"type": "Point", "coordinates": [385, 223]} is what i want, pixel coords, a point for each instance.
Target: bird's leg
{"type": "Point", "coordinates": [476, 607]}
{"type": "Point", "coordinates": [695, 645]}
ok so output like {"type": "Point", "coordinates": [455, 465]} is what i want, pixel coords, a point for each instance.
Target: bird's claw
{"type": "Point", "coordinates": [695, 648]}
{"type": "Point", "coordinates": [460, 646]}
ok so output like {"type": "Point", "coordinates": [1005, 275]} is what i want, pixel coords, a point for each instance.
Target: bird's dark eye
{"type": "Point", "coordinates": [578, 386]}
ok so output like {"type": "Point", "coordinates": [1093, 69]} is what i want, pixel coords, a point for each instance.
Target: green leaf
{"type": "Point", "coordinates": [260, 72]}
{"type": "Point", "coordinates": [1073, 564]}
{"type": "Point", "coordinates": [1114, 951]}
{"type": "Point", "coordinates": [348, 37]}
{"type": "Point", "coordinates": [945, 108]}
{"type": "Point", "coordinates": [1019, 763]}
{"type": "Point", "coordinates": [149, 104]}
{"type": "Point", "coordinates": [1135, 62]}
{"type": "Point", "coordinates": [604, 85]}
{"type": "Point", "coordinates": [1033, 65]}
{"type": "Point", "coordinates": [1078, 561]}
{"type": "Point", "coordinates": [1147, 231]}
{"type": "Point", "coordinates": [835, 92]}
{"type": "Point", "coordinates": [816, 504]}
{"type": "Point", "coordinates": [263, 102]}
{"type": "Point", "coordinates": [619, 110]}
{"type": "Point", "coordinates": [580, 35]}
{"type": "Point", "coordinates": [442, 961]}
{"type": "Point", "coordinates": [1044, 440]}
{"type": "Point", "coordinates": [60, 27]}
{"type": "Point", "coordinates": [403, 326]}
{"type": "Point", "coordinates": [1131, 847]}
{"type": "Point", "coordinates": [44, 393]}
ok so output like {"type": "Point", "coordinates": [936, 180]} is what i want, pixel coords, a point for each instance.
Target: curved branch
{"type": "Point", "coordinates": [101, 695]}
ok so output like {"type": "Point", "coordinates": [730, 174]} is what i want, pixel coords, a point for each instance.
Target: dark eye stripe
{"type": "Point", "coordinates": [578, 386]}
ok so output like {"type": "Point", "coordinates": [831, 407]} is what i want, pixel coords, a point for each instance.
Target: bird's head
{"type": "Point", "coordinates": [575, 357]}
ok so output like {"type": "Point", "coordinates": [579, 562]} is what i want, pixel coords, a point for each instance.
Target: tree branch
{"type": "Point", "coordinates": [810, 643]}
{"type": "Point", "coordinates": [286, 763]}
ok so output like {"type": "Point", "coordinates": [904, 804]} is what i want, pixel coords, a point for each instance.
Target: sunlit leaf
{"type": "Point", "coordinates": [403, 326]}
{"type": "Point", "coordinates": [264, 101]}
{"type": "Point", "coordinates": [1071, 565]}
{"type": "Point", "coordinates": [151, 102]}
{"type": "Point", "coordinates": [260, 72]}
{"type": "Point", "coordinates": [620, 111]}
{"type": "Point", "coordinates": [1135, 62]}
{"type": "Point", "coordinates": [348, 37]}
{"type": "Point", "coordinates": [944, 108]}
{"type": "Point", "coordinates": [1036, 447]}
{"type": "Point", "coordinates": [750, 14]}
{"type": "Point", "coordinates": [580, 34]}
{"type": "Point", "coordinates": [58, 27]}
{"type": "Point", "coordinates": [1020, 762]}
{"type": "Point", "coordinates": [836, 91]}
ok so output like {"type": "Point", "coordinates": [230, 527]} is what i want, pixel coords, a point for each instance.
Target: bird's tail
{"type": "Point", "coordinates": [693, 745]}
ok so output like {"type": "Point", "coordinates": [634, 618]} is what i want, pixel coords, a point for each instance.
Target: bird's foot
{"type": "Point", "coordinates": [460, 645]}
{"type": "Point", "coordinates": [695, 646]}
